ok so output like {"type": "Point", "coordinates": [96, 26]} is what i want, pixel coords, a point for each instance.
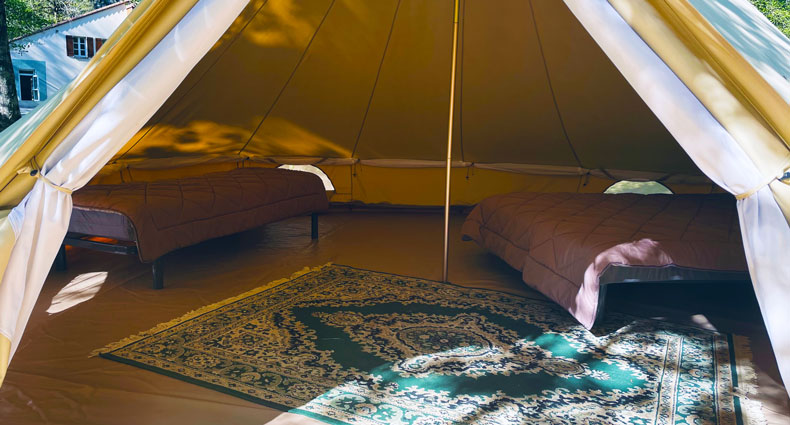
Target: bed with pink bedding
{"type": "Point", "coordinates": [570, 246]}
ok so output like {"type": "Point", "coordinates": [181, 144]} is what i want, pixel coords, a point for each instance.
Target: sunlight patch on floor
{"type": "Point", "coordinates": [82, 288]}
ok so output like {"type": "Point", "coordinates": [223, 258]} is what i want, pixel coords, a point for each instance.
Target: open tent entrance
{"type": "Point", "coordinates": [550, 96]}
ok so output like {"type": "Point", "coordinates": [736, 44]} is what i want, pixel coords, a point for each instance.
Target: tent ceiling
{"type": "Point", "coordinates": [370, 80]}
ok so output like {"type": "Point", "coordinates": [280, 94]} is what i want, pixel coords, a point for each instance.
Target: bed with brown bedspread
{"type": "Point", "coordinates": [569, 246]}
{"type": "Point", "coordinates": [162, 216]}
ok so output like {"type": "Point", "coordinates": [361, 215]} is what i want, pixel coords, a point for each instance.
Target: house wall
{"type": "Point", "coordinates": [45, 52]}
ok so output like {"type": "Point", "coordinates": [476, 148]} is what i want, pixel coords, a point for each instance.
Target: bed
{"type": "Point", "coordinates": [570, 246]}
{"type": "Point", "coordinates": [151, 219]}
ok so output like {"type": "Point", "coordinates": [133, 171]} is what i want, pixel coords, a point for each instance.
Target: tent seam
{"type": "Point", "coordinates": [288, 81]}
{"type": "Point", "coordinates": [551, 87]}
{"type": "Point", "coordinates": [376, 81]}
{"type": "Point", "coordinates": [220, 56]}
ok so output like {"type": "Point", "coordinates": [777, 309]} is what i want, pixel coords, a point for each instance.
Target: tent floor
{"type": "Point", "coordinates": [52, 380]}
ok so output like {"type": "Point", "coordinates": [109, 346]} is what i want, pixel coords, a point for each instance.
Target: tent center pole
{"type": "Point", "coordinates": [453, 71]}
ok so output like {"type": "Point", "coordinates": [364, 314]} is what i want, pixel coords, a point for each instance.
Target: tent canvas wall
{"type": "Point", "coordinates": [551, 96]}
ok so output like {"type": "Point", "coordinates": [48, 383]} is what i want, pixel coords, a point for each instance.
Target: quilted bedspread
{"type": "Point", "coordinates": [563, 242]}
{"type": "Point", "coordinates": [171, 214]}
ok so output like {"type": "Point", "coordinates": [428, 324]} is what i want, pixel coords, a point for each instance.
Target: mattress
{"type": "Point", "coordinates": [98, 222]}
{"type": "Point", "coordinates": [568, 245]}
{"type": "Point", "coordinates": [165, 215]}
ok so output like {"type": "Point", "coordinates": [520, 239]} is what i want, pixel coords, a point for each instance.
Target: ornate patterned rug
{"type": "Point", "coordinates": [344, 345]}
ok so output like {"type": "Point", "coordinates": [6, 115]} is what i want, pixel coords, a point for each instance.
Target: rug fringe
{"type": "Point", "coordinates": [202, 310]}
{"type": "Point", "coordinates": [752, 410]}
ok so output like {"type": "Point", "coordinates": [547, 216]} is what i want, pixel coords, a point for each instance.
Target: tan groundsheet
{"type": "Point", "coordinates": [52, 380]}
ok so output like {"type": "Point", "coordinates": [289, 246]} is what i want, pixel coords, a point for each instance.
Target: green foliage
{"type": "Point", "coordinates": [9, 106]}
{"type": "Point", "coordinates": [28, 16]}
{"type": "Point", "coordinates": [22, 18]}
{"type": "Point", "coordinates": [58, 10]}
{"type": "Point", "coordinates": [641, 188]}
{"type": "Point", "coordinates": [777, 11]}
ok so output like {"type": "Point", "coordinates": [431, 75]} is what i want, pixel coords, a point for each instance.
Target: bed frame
{"type": "Point", "coordinates": [157, 266]}
{"type": "Point", "coordinates": [622, 274]}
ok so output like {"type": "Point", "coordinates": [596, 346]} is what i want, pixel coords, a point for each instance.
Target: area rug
{"type": "Point", "coordinates": [345, 345]}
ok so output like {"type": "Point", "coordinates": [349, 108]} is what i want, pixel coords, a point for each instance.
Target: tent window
{"type": "Point", "coordinates": [642, 188]}
{"type": "Point", "coordinates": [312, 170]}
{"type": "Point", "coordinates": [28, 85]}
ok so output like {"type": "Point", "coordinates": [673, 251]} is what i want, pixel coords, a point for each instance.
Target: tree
{"type": "Point", "coordinates": [101, 3]}
{"type": "Point", "coordinates": [28, 16]}
{"type": "Point", "coordinates": [777, 11]}
{"type": "Point", "coordinates": [22, 19]}
{"type": "Point", "coordinates": [9, 105]}
{"type": "Point", "coordinates": [59, 10]}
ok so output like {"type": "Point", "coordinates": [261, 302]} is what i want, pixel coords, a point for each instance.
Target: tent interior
{"type": "Point", "coordinates": [360, 90]}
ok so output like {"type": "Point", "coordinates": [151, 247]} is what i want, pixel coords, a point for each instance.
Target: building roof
{"type": "Point", "coordinates": [127, 3]}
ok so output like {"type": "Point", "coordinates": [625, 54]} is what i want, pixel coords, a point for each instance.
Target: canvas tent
{"type": "Point", "coordinates": [550, 96]}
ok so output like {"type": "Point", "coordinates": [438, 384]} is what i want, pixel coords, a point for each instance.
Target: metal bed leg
{"type": "Point", "coordinates": [600, 311]}
{"type": "Point", "coordinates": [159, 273]}
{"type": "Point", "coordinates": [60, 260]}
{"type": "Point", "coordinates": [314, 226]}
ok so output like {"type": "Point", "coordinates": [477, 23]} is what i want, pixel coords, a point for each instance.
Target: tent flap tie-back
{"type": "Point", "coordinates": [35, 171]}
{"type": "Point", "coordinates": [782, 176]}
